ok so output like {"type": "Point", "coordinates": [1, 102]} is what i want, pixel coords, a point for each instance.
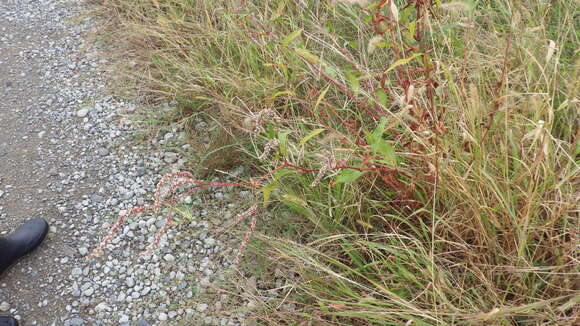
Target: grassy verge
{"type": "Point", "coordinates": [420, 158]}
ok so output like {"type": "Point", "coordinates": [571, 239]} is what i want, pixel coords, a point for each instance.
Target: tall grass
{"type": "Point", "coordinates": [422, 157]}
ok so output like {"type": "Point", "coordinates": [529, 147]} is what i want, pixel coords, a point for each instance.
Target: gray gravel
{"type": "Point", "coordinates": [66, 154]}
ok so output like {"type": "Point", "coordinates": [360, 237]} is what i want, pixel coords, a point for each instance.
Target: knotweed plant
{"type": "Point", "coordinates": [171, 189]}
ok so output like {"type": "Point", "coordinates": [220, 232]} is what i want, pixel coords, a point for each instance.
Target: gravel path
{"type": "Point", "coordinates": [66, 155]}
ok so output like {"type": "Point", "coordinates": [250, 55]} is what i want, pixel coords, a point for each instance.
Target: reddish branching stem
{"type": "Point", "coordinates": [176, 180]}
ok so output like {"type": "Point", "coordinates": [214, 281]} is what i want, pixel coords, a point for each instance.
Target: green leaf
{"type": "Point", "coordinates": [282, 172]}
{"type": "Point", "coordinates": [348, 176]}
{"type": "Point", "coordinates": [368, 19]}
{"type": "Point", "coordinates": [291, 37]}
{"type": "Point", "coordinates": [296, 204]}
{"type": "Point", "coordinates": [307, 55]}
{"type": "Point", "coordinates": [310, 135]}
{"type": "Point", "coordinates": [382, 98]}
{"type": "Point", "coordinates": [380, 146]}
{"type": "Point", "coordinates": [412, 26]}
{"type": "Point", "coordinates": [387, 151]}
{"type": "Point", "coordinates": [354, 82]}
{"type": "Point", "coordinates": [271, 133]}
{"type": "Point", "coordinates": [403, 61]}
{"type": "Point", "coordinates": [282, 93]}
{"type": "Point", "coordinates": [383, 45]}
{"type": "Point", "coordinates": [320, 98]}
{"type": "Point", "coordinates": [282, 136]}
{"type": "Point", "coordinates": [369, 137]}
{"type": "Point", "coordinates": [267, 191]}
{"type": "Point", "coordinates": [379, 130]}
{"type": "Point", "coordinates": [331, 71]}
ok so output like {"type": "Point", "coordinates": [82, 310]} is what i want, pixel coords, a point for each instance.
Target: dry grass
{"type": "Point", "coordinates": [422, 157]}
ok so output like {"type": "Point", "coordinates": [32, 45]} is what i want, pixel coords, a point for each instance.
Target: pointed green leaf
{"type": "Point", "coordinates": [320, 98]}
{"type": "Point", "coordinates": [282, 136]}
{"type": "Point", "coordinates": [412, 27]}
{"type": "Point", "coordinates": [331, 71]}
{"type": "Point", "coordinates": [296, 204]}
{"type": "Point", "coordinates": [282, 93]}
{"type": "Point", "coordinates": [291, 37]}
{"type": "Point", "coordinates": [382, 98]}
{"type": "Point", "coordinates": [354, 82]}
{"type": "Point", "coordinates": [282, 172]}
{"type": "Point", "coordinates": [369, 137]}
{"type": "Point", "coordinates": [383, 45]}
{"type": "Point", "coordinates": [379, 130]}
{"type": "Point", "coordinates": [381, 147]}
{"type": "Point", "coordinates": [267, 191]}
{"type": "Point", "coordinates": [403, 61]}
{"type": "Point", "coordinates": [307, 55]}
{"type": "Point", "coordinates": [310, 135]}
{"type": "Point", "coordinates": [348, 176]}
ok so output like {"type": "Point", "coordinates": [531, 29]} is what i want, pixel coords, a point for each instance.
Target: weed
{"type": "Point", "coordinates": [427, 150]}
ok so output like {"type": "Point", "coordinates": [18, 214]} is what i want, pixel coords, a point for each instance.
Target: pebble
{"type": "Point", "coordinates": [201, 307]}
{"type": "Point", "coordinates": [4, 306]}
{"type": "Point", "coordinates": [124, 319]}
{"type": "Point", "coordinates": [82, 113]}
{"type": "Point", "coordinates": [74, 322]}
{"type": "Point", "coordinates": [170, 157]}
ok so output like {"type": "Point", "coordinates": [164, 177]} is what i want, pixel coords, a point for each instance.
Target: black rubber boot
{"type": "Point", "coordinates": [21, 242]}
{"type": "Point", "coordinates": [8, 321]}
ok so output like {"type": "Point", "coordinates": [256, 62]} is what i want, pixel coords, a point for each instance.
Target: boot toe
{"type": "Point", "coordinates": [29, 236]}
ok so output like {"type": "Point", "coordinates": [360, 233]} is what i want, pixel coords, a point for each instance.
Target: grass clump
{"type": "Point", "coordinates": [424, 152]}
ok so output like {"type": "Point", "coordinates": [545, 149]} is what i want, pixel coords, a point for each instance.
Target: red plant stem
{"type": "Point", "coordinates": [158, 204]}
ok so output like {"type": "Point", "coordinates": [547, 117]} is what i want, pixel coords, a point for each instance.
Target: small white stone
{"type": "Point", "coordinates": [4, 306]}
{"type": "Point", "coordinates": [162, 316]}
{"type": "Point", "coordinates": [169, 257]}
{"type": "Point", "coordinates": [124, 319]}
{"type": "Point", "coordinates": [145, 290]}
{"type": "Point", "coordinates": [201, 307]}
{"type": "Point", "coordinates": [170, 157]}
{"type": "Point", "coordinates": [88, 292]}
{"type": "Point", "coordinates": [82, 113]}
{"type": "Point", "coordinates": [102, 307]}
